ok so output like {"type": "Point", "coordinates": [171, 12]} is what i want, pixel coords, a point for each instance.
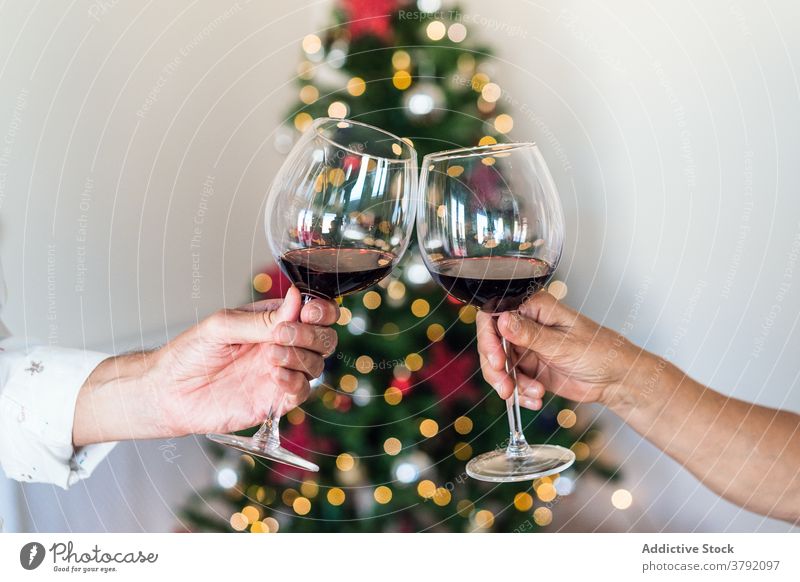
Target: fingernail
{"type": "Point", "coordinates": [314, 313]}
{"type": "Point", "coordinates": [494, 361]}
{"type": "Point", "coordinates": [287, 333]}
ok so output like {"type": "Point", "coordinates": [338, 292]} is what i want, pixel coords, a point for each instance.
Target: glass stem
{"type": "Point", "coordinates": [268, 436]}
{"type": "Point", "coordinates": [517, 444]}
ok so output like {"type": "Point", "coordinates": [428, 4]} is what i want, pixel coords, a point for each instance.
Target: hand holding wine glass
{"type": "Point", "coordinates": [338, 219]}
{"type": "Point", "coordinates": [491, 231]}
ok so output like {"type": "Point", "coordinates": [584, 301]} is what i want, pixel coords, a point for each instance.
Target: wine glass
{"type": "Point", "coordinates": [490, 230]}
{"type": "Point", "coordinates": [338, 217]}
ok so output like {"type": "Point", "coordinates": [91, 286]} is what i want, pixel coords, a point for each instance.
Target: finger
{"type": "Point", "coordinates": [489, 343]}
{"type": "Point", "coordinates": [290, 382]}
{"type": "Point", "coordinates": [529, 387]}
{"type": "Point", "coordinates": [306, 361]}
{"type": "Point", "coordinates": [253, 323]}
{"type": "Point", "coordinates": [320, 312]}
{"type": "Point", "coordinates": [322, 340]}
{"type": "Point", "coordinates": [524, 332]}
{"type": "Point", "coordinates": [546, 309]}
{"type": "Point", "coordinates": [497, 379]}
{"type": "Point", "coordinates": [530, 403]}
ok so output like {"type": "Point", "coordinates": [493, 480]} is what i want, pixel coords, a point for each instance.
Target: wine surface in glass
{"type": "Point", "coordinates": [334, 271]}
{"type": "Point", "coordinates": [493, 284]}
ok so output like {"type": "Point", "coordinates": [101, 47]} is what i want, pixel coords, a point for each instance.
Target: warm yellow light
{"type": "Point", "coordinates": [478, 81]}
{"type": "Point", "coordinates": [309, 94]}
{"type": "Point", "coordinates": [487, 140]}
{"type": "Point", "coordinates": [491, 92]}
{"type": "Point", "coordinates": [288, 496]}
{"type": "Point", "coordinates": [435, 332]}
{"type": "Point", "coordinates": [426, 489]}
{"type": "Point", "coordinates": [436, 30]}
{"type": "Point", "coordinates": [401, 60]}
{"type": "Point", "coordinates": [239, 521]}
{"type": "Point", "coordinates": [557, 289]}
{"type": "Point", "coordinates": [382, 494]}
{"type": "Point", "coordinates": [484, 519]}
{"type": "Point", "coordinates": [463, 425]}
{"type": "Point", "coordinates": [345, 462]}
{"type": "Point", "coordinates": [252, 513]}
{"type": "Point", "coordinates": [336, 177]}
{"type": "Point", "coordinates": [466, 63]}
{"type": "Point", "coordinates": [581, 451]}
{"type": "Point", "coordinates": [420, 308]}
{"type": "Point", "coordinates": [372, 300]}
{"type": "Point", "coordinates": [335, 496]}
{"type": "Point", "coordinates": [345, 315]}
{"type": "Point", "coordinates": [305, 70]}
{"type": "Point", "coordinates": [356, 86]}
{"type": "Point", "coordinates": [567, 418]}
{"type": "Point", "coordinates": [301, 506]}
{"type": "Point", "coordinates": [457, 32]}
{"type": "Point", "coordinates": [441, 496]}
{"type": "Point", "coordinates": [396, 290]}
{"type": "Point", "coordinates": [428, 428]}
{"type": "Point", "coordinates": [337, 110]}
{"type": "Point", "coordinates": [441, 211]}
{"type": "Point", "coordinates": [364, 364]}
{"type": "Point", "coordinates": [546, 492]}
{"type": "Point", "coordinates": [621, 499]}
{"type": "Point", "coordinates": [392, 446]}
{"type": "Point", "coordinates": [393, 395]}
{"type": "Point", "coordinates": [302, 121]}
{"type": "Point", "coordinates": [311, 44]}
{"type": "Point", "coordinates": [503, 123]}
{"type": "Point", "coordinates": [401, 80]}
{"type": "Point", "coordinates": [296, 416]}
{"type": "Point", "coordinates": [455, 171]}
{"type": "Point", "coordinates": [523, 501]}
{"type": "Point", "coordinates": [488, 161]}
{"type": "Point", "coordinates": [397, 149]}
{"type": "Point", "coordinates": [462, 451]}
{"type": "Point", "coordinates": [259, 527]}
{"type": "Point", "coordinates": [414, 362]}
{"type": "Point", "coordinates": [542, 516]}
{"type": "Point", "coordinates": [262, 282]}
{"type": "Point", "coordinates": [348, 383]}
{"type": "Point", "coordinates": [309, 488]}
{"type": "Point", "coordinates": [271, 524]}
{"type": "Point", "coordinates": [467, 314]}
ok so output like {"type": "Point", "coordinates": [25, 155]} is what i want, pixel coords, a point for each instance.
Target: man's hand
{"type": "Point", "coordinates": [218, 376]}
{"type": "Point", "coordinates": [557, 349]}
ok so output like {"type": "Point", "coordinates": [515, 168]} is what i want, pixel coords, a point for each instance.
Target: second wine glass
{"type": "Point", "coordinates": [338, 218]}
{"type": "Point", "coordinates": [490, 230]}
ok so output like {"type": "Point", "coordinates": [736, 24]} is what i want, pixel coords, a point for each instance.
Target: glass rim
{"type": "Point", "coordinates": [476, 151]}
{"type": "Point", "coordinates": [319, 121]}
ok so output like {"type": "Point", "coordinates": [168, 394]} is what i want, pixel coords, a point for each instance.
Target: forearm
{"type": "Point", "coordinates": [746, 453]}
{"type": "Point", "coordinates": [116, 403]}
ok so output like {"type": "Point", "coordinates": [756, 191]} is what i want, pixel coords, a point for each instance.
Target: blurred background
{"type": "Point", "coordinates": [137, 142]}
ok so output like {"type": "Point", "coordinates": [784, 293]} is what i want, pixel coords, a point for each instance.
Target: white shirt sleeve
{"type": "Point", "coordinates": [39, 387]}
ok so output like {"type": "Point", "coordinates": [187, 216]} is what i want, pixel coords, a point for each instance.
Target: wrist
{"type": "Point", "coordinates": [641, 388]}
{"type": "Point", "coordinates": [114, 403]}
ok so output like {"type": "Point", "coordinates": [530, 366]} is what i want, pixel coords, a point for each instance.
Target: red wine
{"type": "Point", "coordinates": [492, 284]}
{"type": "Point", "coordinates": [332, 271]}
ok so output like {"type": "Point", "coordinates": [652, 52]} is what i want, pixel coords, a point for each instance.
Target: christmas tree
{"type": "Point", "coordinates": [401, 406]}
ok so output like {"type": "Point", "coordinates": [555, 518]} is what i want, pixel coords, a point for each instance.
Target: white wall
{"type": "Point", "coordinates": [673, 131]}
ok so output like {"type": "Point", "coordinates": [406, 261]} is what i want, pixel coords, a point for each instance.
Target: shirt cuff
{"type": "Point", "coordinates": [37, 409]}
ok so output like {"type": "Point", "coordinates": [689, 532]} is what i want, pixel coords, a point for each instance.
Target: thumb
{"type": "Point", "coordinates": [525, 333]}
{"type": "Point", "coordinates": [290, 308]}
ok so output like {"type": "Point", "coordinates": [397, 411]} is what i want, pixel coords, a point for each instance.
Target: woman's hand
{"type": "Point", "coordinates": [556, 349]}
{"type": "Point", "coordinates": [218, 376]}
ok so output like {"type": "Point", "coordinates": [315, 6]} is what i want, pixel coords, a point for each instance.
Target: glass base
{"type": "Point", "coordinates": [532, 462]}
{"type": "Point", "coordinates": [252, 446]}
